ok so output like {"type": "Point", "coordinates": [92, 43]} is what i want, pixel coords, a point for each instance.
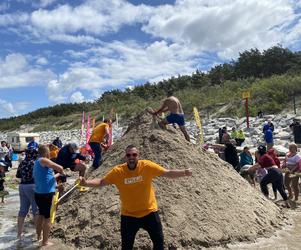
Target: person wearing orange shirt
{"type": "Point", "coordinates": [139, 208]}
{"type": "Point", "coordinates": [54, 150]}
{"type": "Point", "coordinates": [100, 135]}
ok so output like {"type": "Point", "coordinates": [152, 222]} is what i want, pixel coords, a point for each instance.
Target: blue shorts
{"type": "Point", "coordinates": [26, 193]}
{"type": "Point", "coordinates": [176, 118]}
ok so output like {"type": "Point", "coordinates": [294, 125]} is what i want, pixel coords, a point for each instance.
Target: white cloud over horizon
{"type": "Point", "coordinates": [101, 44]}
{"type": "Point", "coordinates": [7, 107]}
{"type": "Point", "coordinates": [77, 97]}
{"type": "Point", "coordinates": [16, 71]}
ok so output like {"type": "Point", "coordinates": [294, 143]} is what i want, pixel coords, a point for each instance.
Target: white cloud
{"type": "Point", "coordinates": [79, 39]}
{"type": "Point", "coordinates": [77, 97]}
{"type": "Point", "coordinates": [54, 93]}
{"type": "Point", "coordinates": [13, 19]}
{"type": "Point", "coordinates": [224, 26]}
{"type": "Point", "coordinates": [118, 64]}
{"type": "Point", "coordinates": [42, 61]}
{"type": "Point", "coordinates": [183, 35]}
{"type": "Point", "coordinates": [7, 108]}
{"type": "Point", "coordinates": [16, 71]}
{"type": "Point", "coordinates": [44, 3]}
{"type": "Point", "coordinates": [95, 94]}
{"type": "Point", "coordinates": [92, 17]}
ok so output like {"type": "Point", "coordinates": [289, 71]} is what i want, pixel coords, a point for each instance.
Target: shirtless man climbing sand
{"type": "Point", "coordinates": [176, 115]}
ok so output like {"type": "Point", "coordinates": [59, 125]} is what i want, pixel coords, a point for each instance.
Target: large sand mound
{"type": "Point", "coordinates": [213, 207]}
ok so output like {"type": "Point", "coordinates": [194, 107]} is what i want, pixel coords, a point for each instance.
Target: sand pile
{"type": "Point", "coordinates": [213, 207]}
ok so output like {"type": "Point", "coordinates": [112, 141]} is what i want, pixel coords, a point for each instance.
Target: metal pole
{"type": "Point", "coordinates": [294, 100]}
{"type": "Point", "coordinates": [247, 113]}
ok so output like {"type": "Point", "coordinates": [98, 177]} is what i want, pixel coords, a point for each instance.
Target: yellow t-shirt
{"type": "Point", "coordinates": [135, 187]}
{"type": "Point", "coordinates": [99, 132]}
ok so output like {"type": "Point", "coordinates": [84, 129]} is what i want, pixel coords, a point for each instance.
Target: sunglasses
{"type": "Point", "coordinates": [134, 155]}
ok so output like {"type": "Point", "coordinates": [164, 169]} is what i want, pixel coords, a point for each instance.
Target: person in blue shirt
{"type": "Point", "coordinates": [245, 157]}
{"type": "Point", "coordinates": [33, 144]}
{"type": "Point", "coordinates": [67, 156]}
{"type": "Point", "coordinates": [246, 161]}
{"type": "Point", "coordinates": [45, 184]}
{"type": "Point", "coordinates": [268, 137]}
{"type": "Point", "coordinates": [268, 125]}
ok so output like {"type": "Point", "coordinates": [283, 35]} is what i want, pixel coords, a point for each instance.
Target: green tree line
{"type": "Point", "coordinates": [268, 74]}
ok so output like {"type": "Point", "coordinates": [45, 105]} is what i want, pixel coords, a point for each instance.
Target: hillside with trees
{"type": "Point", "coordinates": [273, 76]}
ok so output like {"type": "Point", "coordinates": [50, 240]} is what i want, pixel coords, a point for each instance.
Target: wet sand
{"type": "Point", "coordinates": [8, 221]}
{"type": "Point", "coordinates": [286, 238]}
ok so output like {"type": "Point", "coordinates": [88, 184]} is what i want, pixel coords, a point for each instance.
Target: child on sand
{"type": "Point", "coordinates": [45, 184]}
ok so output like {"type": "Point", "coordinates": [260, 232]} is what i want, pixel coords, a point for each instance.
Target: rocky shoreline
{"type": "Point", "coordinates": [254, 136]}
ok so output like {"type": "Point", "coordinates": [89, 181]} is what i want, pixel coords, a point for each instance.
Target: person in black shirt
{"type": "Point", "coordinates": [67, 157]}
{"type": "Point", "coordinates": [26, 189]}
{"type": "Point", "coordinates": [231, 156]}
{"type": "Point", "coordinates": [57, 142]}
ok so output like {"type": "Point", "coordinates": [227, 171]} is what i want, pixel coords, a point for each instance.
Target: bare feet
{"type": "Point", "coordinates": [48, 243]}
{"type": "Point", "coordinates": [287, 204]}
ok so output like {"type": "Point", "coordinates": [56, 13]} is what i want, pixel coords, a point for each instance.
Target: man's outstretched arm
{"type": "Point", "coordinates": [93, 183]}
{"type": "Point", "coordinates": [176, 173]}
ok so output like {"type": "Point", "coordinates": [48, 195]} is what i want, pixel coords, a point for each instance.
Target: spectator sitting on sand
{"type": "Point", "coordinates": [246, 161]}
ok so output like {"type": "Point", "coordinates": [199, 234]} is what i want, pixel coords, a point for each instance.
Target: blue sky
{"type": "Point", "coordinates": [55, 51]}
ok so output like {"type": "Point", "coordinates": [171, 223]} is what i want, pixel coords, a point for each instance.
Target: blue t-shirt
{"type": "Point", "coordinates": [245, 159]}
{"type": "Point", "coordinates": [268, 136]}
{"type": "Point", "coordinates": [33, 145]}
{"type": "Point", "coordinates": [44, 178]}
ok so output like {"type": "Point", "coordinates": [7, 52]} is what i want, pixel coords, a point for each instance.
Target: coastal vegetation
{"type": "Point", "coordinates": [272, 76]}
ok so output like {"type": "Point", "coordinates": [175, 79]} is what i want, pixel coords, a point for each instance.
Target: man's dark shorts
{"type": "Point", "coordinates": [176, 118]}
{"type": "Point", "coordinates": [44, 202]}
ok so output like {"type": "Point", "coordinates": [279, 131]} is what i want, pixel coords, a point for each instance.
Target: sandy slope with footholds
{"type": "Point", "coordinates": [213, 207]}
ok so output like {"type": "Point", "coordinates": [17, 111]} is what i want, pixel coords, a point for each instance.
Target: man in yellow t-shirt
{"type": "Point", "coordinates": [139, 208]}
{"type": "Point", "coordinates": [100, 136]}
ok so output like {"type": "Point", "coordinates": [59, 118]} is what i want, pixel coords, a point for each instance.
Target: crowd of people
{"type": "Point", "coordinates": [265, 166]}
{"type": "Point", "coordinates": [43, 165]}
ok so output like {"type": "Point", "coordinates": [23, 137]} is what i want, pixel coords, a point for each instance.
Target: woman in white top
{"type": "Point", "coordinates": [292, 162]}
